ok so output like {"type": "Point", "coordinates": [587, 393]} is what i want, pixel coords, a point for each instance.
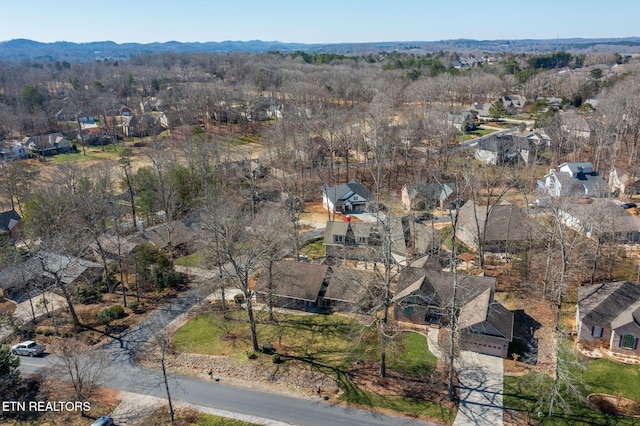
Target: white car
{"type": "Point", "coordinates": [28, 348]}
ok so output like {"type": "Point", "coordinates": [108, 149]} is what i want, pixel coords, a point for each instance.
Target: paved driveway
{"type": "Point", "coordinates": [481, 387]}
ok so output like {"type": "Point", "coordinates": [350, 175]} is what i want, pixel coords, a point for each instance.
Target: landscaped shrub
{"type": "Point", "coordinates": [107, 315]}
{"type": "Point", "coordinates": [86, 293]}
{"type": "Point", "coordinates": [268, 348]}
{"type": "Point", "coordinates": [133, 305]}
{"type": "Point", "coordinates": [251, 355]}
{"type": "Point", "coordinates": [239, 298]}
{"type": "Point", "coordinates": [117, 310]}
{"type": "Point", "coordinates": [276, 358]}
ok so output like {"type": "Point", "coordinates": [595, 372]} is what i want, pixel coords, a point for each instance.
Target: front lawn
{"type": "Point", "coordinates": [474, 134]}
{"type": "Point", "coordinates": [329, 343]}
{"type": "Point", "coordinates": [529, 394]}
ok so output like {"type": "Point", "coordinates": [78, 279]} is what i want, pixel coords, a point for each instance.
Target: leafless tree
{"type": "Point", "coordinates": [84, 368]}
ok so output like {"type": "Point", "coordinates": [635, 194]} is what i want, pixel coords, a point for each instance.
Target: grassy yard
{"type": "Point", "coordinates": [92, 154]}
{"type": "Point", "coordinates": [477, 133]}
{"type": "Point", "coordinates": [322, 339]}
{"type": "Point", "coordinates": [314, 249]}
{"type": "Point", "coordinates": [331, 343]}
{"type": "Point", "coordinates": [526, 394]}
{"type": "Point", "coordinates": [192, 260]}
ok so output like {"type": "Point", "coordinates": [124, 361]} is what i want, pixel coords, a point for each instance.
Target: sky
{"type": "Point", "coordinates": [308, 21]}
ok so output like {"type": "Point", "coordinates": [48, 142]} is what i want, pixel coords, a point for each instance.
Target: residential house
{"type": "Point", "coordinates": [348, 290]}
{"type": "Point", "coordinates": [574, 179]}
{"type": "Point", "coordinates": [13, 150]}
{"type": "Point", "coordinates": [575, 125]}
{"type": "Point", "coordinates": [173, 236]}
{"type": "Point", "coordinates": [624, 181]}
{"type": "Point", "coordinates": [9, 224]}
{"type": "Point", "coordinates": [513, 103]}
{"type": "Point", "coordinates": [464, 121]}
{"type": "Point", "coordinates": [423, 296]}
{"type": "Point", "coordinates": [46, 269]}
{"type": "Point", "coordinates": [504, 149]}
{"type": "Point", "coordinates": [94, 136]}
{"type": "Point", "coordinates": [501, 228]}
{"type": "Point", "coordinates": [314, 287]}
{"type": "Point", "coordinates": [151, 104]}
{"type": "Point", "coordinates": [539, 138]}
{"type": "Point", "coordinates": [601, 219]}
{"type": "Point", "coordinates": [482, 109]}
{"type": "Point", "coordinates": [609, 314]}
{"type": "Point", "coordinates": [427, 196]}
{"type": "Point", "coordinates": [149, 123]}
{"type": "Point", "coordinates": [352, 240]}
{"type": "Point", "coordinates": [347, 197]}
{"type": "Point", "coordinates": [365, 241]}
{"type": "Point", "coordinates": [46, 145]}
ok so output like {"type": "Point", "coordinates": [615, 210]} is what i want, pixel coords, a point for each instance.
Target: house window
{"type": "Point", "coordinates": [596, 331]}
{"type": "Point", "coordinates": [362, 240]}
{"type": "Point", "coordinates": [628, 341]}
{"type": "Point", "coordinates": [338, 238]}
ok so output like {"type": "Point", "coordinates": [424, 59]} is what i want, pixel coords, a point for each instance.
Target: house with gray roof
{"type": "Point", "coordinates": [46, 145]}
{"type": "Point", "coordinates": [575, 125]}
{"type": "Point", "coordinates": [461, 120]}
{"type": "Point", "coordinates": [347, 197]}
{"type": "Point", "coordinates": [575, 179]}
{"type": "Point", "coordinates": [314, 287]}
{"type": "Point", "coordinates": [505, 149]}
{"type": "Point", "coordinates": [423, 297]}
{"type": "Point", "coordinates": [427, 196]}
{"type": "Point", "coordinates": [609, 313]}
{"type": "Point", "coordinates": [600, 219]}
{"type": "Point", "coordinates": [365, 241]}
{"type": "Point", "coordinates": [513, 103]}
{"type": "Point", "coordinates": [46, 268]}
{"type": "Point", "coordinates": [501, 228]}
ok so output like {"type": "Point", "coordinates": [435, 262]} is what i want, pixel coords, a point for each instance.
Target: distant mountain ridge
{"type": "Point", "coordinates": [23, 49]}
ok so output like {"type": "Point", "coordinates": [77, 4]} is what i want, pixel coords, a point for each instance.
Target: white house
{"type": "Point", "coordinates": [348, 197]}
{"type": "Point", "coordinates": [575, 179]}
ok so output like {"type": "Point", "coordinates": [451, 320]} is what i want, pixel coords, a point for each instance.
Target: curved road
{"type": "Point", "coordinates": [126, 375]}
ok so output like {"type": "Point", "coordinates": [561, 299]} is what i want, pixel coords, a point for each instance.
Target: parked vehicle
{"type": "Point", "coordinates": [27, 348]}
{"type": "Point", "coordinates": [629, 205]}
{"type": "Point", "coordinates": [103, 421]}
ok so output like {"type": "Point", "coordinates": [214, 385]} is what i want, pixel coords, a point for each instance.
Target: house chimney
{"type": "Point", "coordinates": [141, 226]}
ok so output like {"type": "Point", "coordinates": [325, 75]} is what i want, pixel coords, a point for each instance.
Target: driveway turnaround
{"type": "Point", "coordinates": [480, 390]}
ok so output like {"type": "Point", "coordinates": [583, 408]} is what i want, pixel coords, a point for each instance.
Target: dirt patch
{"type": "Point", "coordinates": [614, 405]}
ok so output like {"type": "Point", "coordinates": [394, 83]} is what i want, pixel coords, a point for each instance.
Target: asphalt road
{"type": "Point", "coordinates": [125, 375]}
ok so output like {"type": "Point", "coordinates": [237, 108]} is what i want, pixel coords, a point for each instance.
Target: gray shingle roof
{"type": "Point", "coordinates": [505, 222]}
{"type": "Point", "coordinates": [604, 303]}
{"type": "Point", "coordinates": [339, 193]}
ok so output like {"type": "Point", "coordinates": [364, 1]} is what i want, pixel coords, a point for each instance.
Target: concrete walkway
{"type": "Point", "coordinates": [481, 387]}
